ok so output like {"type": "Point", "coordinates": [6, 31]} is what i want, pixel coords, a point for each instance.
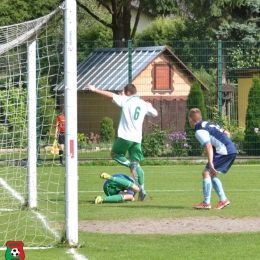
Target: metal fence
{"type": "Point", "coordinates": [224, 69]}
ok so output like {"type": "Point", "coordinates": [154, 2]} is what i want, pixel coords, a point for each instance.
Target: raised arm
{"type": "Point", "coordinates": [101, 92]}
{"type": "Point", "coordinates": [151, 110]}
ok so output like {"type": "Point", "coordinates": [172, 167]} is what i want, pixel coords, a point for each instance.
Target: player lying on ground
{"type": "Point", "coordinates": [118, 188]}
{"type": "Point", "coordinates": [213, 136]}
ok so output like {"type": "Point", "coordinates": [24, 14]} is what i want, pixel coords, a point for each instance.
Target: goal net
{"type": "Point", "coordinates": [31, 179]}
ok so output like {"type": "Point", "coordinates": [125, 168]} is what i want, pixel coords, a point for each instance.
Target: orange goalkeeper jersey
{"type": "Point", "coordinates": [61, 123]}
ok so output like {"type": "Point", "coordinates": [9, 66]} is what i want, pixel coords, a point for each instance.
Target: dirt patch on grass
{"type": "Point", "coordinates": [173, 226]}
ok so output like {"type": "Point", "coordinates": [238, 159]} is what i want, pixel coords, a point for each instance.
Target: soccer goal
{"type": "Point", "coordinates": [36, 206]}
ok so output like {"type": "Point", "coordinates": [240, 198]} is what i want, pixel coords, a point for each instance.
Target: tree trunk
{"type": "Point", "coordinates": [121, 20]}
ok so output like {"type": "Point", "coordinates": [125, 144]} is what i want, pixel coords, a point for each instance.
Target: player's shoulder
{"type": "Point", "coordinates": [200, 125]}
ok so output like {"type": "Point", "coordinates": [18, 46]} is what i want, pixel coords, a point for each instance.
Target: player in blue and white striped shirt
{"type": "Point", "coordinates": [221, 153]}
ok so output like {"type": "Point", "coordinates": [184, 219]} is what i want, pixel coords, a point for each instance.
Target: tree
{"type": "Point", "coordinates": [233, 20]}
{"type": "Point", "coordinates": [18, 11]}
{"type": "Point", "coordinates": [195, 99]}
{"type": "Point", "coordinates": [210, 80]}
{"type": "Point", "coordinates": [48, 112]}
{"type": "Point", "coordinates": [218, 12]}
{"type": "Point", "coordinates": [97, 37]}
{"type": "Point", "coordinates": [163, 30]}
{"type": "Point", "coordinates": [120, 14]}
{"type": "Point", "coordinates": [107, 131]}
{"type": "Point", "coordinates": [252, 139]}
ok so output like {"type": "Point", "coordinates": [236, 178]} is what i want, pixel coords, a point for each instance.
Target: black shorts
{"type": "Point", "coordinates": [61, 139]}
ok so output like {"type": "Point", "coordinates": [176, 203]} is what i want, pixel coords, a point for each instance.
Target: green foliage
{"type": "Point", "coordinates": [252, 139]}
{"type": "Point", "coordinates": [229, 19]}
{"type": "Point", "coordinates": [237, 133]}
{"type": "Point", "coordinates": [195, 100]}
{"type": "Point", "coordinates": [160, 8]}
{"type": "Point", "coordinates": [107, 131]}
{"type": "Point", "coordinates": [209, 78]}
{"type": "Point", "coordinates": [162, 31]}
{"type": "Point", "coordinates": [153, 142]}
{"type": "Point", "coordinates": [28, 10]}
{"type": "Point", "coordinates": [120, 13]}
{"type": "Point", "coordinates": [244, 55]}
{"type": "Point", "coordinates": [215, 117]}
{"type": "Point", "coordinates": [48, 113]}
{"type": "Point", "coordinates": [5, 137]}
{"type": "Point", "coordinates": [243, 27]}
{"type": "Point", "coordinates": [13, 104]}
{"type": "Point", "coordinates": [13, 101]}
{"type": "Point", "coordinates": [82, 140]}
{"type": "Point", "coordinates": [97, 36]}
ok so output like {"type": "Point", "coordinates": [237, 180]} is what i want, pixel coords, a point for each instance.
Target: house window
{"type": "Point", "coordinates": [162, 77]}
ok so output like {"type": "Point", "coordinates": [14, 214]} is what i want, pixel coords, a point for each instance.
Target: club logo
{"type": "Point", "coordinates": [14, 250]}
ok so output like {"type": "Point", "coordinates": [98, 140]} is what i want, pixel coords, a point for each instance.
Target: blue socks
{"type": "Point", "coordinates": [217, 185]}
{"type": "Point", "coordinates": [207, 187]}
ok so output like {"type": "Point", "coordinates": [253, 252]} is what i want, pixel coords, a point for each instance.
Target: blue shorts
{"type": "Point", "coordinates": [222, 163]}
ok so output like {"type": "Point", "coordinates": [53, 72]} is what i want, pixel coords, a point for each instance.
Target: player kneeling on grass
{"type": "Point", "coordinates": [213, 137]}
{"type": "Point", "coordinates": [118, 188]}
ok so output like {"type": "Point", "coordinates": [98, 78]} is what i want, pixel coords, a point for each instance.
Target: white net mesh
{"type": "Point", "coordinates": [42, 226]}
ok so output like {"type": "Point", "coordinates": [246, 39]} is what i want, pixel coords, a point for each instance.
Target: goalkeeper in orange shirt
{"type": "Point", "coordinates": [60, 129]}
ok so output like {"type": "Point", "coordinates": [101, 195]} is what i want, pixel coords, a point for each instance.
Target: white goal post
{"type": "Point", "coordinates": [35, 56]}
{"type": "Point", "coordinates": [70, 83]}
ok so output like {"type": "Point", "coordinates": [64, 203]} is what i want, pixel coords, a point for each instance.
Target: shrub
{"type": "Point", "coordinates": [107, 131]}
{"type": "Point", "coordinates": [237, 133]}
{"type": "Point", "coordinates": [252, 139]}
{"type": "Point", "coordinates": [82, 140]}
{"type": "Point", "coordinates": [153, 142]}
{"type": "Point", "coordinates": [179, 144]}
{"type": "Point", "coordinates": [195, 99]}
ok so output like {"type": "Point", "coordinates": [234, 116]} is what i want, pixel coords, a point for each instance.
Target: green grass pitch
{"type": "Point", "coordinates": [171, 193]}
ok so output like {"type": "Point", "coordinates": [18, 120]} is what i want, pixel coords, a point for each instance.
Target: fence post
{"type": "Point", "coordinates": [220, 82]}
{"type": "Point", "coordinates": [129, 61]}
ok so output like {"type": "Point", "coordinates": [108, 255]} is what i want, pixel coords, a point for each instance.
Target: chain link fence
{"type": "Point", "coordinates": [164, 74]}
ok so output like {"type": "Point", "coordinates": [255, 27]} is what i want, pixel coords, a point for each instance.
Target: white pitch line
{"type": "Point", "coordinates": [22, 200]}
{"type": "Point", "coordinates": [98, 191]}
{"type": "Point", "coordinates": [12, 191]}
{"type": "Point", "coordinates": [72, 251]}
{"type": "Point", "coordinates": [75, 255]}
{"type": "Point", "coordinates": [46, 225]}
{"type": "Point", "coordinates": [4, 209]}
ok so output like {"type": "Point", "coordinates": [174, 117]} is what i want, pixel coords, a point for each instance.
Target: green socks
{"type": "Point", "coordinates": [140, 174]}
{"type": "Point", "coordinates": [121, 159]}
{"type": "Point", "coordinates": [113, 198]}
